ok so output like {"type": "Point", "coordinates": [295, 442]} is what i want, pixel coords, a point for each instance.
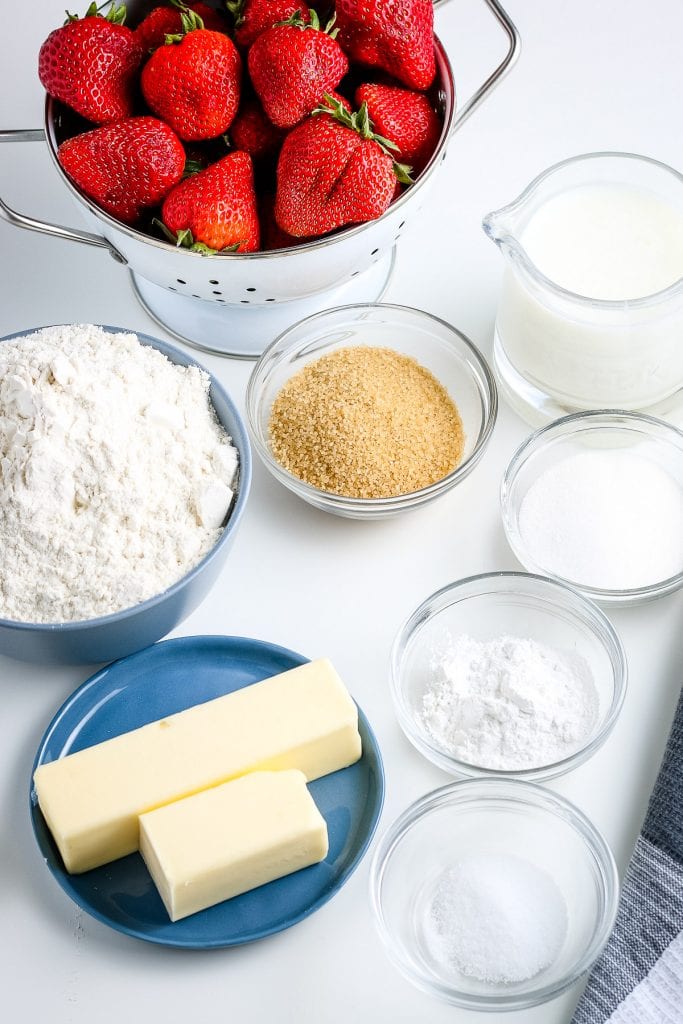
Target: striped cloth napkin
{"type": "Point", "coordinates": [639, 977]}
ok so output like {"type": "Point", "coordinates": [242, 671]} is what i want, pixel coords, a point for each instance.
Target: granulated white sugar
{"type": "Point", "coordinates": [115, 474]}
{"type": "Point", "coordinates": [497, 918]}
{"type": "Point", "coordinates": [606, 519]}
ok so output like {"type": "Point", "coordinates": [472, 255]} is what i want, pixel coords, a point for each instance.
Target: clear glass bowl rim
{"type": "Point", "coordinates": [593, 617]}
{"type": "Point", "coordinates": [565, 427]}
{"type": "Point", "coordinates": [485, 383]}
{"type": "Point", "coordinates": [480, 791]}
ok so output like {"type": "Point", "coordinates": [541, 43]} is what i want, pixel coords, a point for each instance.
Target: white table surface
{"type": "Point", "coordinates": [591, 77]}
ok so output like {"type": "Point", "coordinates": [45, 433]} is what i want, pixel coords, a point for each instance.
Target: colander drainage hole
{"type": "Point", "coordinates": [214, 282]}
{"type": "Point", "coordinates": [245, 302]}
{"type": "Point", "coordinates": [196, 296]}
{"type": "Point", "coordinates": [355, 273]}
{"type": "Point", "coordinates": [171, 288]}
{"type": "Point", "coordinates": [217, 293]}
{"type": "Point", "coordinates": [180, 280]}
{"type": "Point", "coordinates": [270, 300]}
{"type": "Point", "coordinates": [250, 289]}
{"type": "Point", "coordinates": [220, 300]}
{"type": "Point", "coordinates": [402, 224]}
{"type": "Point", "coordinates": [374, 252]}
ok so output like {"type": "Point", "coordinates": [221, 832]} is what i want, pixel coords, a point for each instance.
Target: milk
{"type": "Point", "coordinates": [606, 241]}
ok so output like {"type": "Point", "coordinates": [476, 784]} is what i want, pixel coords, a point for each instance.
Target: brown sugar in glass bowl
{"type": "Point", "coordinates": [441, 354]}
{"type": "Point", "coordinates": [366, 422]}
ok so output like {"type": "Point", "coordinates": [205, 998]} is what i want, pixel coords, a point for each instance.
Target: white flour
{"type": "Point", "coordinates": [508, 703]}
{"type": "Point", "coordinates": [115, 475]}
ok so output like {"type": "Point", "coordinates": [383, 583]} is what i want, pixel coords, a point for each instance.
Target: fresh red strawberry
{"type": "Point", "coordinates": [194, 84]}
{"type": "Point", "coordinates": [405, 117]}
{"type": "Point", "coordinates": [396, 35]}
{"type": "Point", "coordinates": [272, 235]}
{"type": "Point", "coordinates": [90, 64]}
{"type": "Point", "coordinates": [253, 132]}
{"type": "Point", "coordinates": [126, 166]}
{"type": "Point", "coordinates": [252, 17]}
{"type": "Point", "coordinates": [166, 21]}
{"type": "Point", "coordinates": [333, 170]}
{"type": "Point", "coordinates": [215, 209]}
{"type": "Point", "coordinates": [293, 65]}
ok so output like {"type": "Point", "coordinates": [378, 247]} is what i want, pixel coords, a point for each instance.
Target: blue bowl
{"type": "Point", "coordinates": [114, 636]}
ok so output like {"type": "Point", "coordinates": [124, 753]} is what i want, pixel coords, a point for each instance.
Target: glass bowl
{"type": "Point", "coordinates": [499, 817]}
{"type": "Point", "coordinates": [516, 604]}
{"type": "Point", "coordinates": [442, 349]}
{"type": "Point", "coordinates": [651, 438]}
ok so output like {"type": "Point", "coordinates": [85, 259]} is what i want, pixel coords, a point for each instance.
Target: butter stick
{"type": "Point", "coordinates": [225, 841]}
{"type": "Point", "coordinates": [91, 800]}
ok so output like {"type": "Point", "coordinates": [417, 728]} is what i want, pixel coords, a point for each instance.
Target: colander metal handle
{"type": "Point", "coordinates": [44, 227]}
{"type": "Point", "coordinates": [498, 73]}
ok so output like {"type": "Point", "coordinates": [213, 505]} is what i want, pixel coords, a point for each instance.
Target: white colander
{"type": "Point", "coordinates": [233, 303]}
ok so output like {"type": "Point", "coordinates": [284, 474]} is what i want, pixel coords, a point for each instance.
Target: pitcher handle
{"type": "Point", "coordinates": [44, 227]}
{"type": "Point", "coordinates": [499, 72]}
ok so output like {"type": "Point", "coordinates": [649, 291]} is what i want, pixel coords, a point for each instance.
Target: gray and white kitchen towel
{"type": "Point", "coordinates": [639, 977]}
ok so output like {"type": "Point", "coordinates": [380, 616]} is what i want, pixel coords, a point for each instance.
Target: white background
{"type": "Point", "coordinates": [591, 76]}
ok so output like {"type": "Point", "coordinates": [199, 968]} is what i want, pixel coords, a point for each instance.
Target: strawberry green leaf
{"type": "Point", "coordinates": [297, 20]}
{"type": "Point", "coordinates": [236, 8]}
{"type": "Point", "coordinates": [403, 173]}
{"type": "Point", "coordinates": [191, 167]}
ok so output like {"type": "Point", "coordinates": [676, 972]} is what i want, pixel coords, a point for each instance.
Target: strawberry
{"type": "Point", "coordinates": [293, 65]}
{"type": "Point", "coordinates": [193, 82]}
{"type": "Point", "coordinates": [252, 17]}
{"type": "Point", "coordinates": [214, 210]}
{"type": "Point", "coordinates": [253, 132]}
{"type": "Point", "coordinates": [126, 166]}
{"type": "Point", "coordinates": [90, 64]}
{"type": "Point", "coordinates": [272, 235]}
{"type": "Point", "coordinates": [333, 170]}
{"type": "Point", "coordinates": [166, 21]}
{"type": "Point", "coordinates": [396, 35]}
{"type": "Point", "coordinates": [405, 117]}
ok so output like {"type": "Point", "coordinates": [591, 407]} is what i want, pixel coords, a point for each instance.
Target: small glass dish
{"type": "Point", "coordinates": [442, 349]}
{"type": "Point", "coordinates": [514, 604]}
{"type": "Point", "coordinates": [638, 433]}
{"type": "Point", "coordinates": [499, 817]}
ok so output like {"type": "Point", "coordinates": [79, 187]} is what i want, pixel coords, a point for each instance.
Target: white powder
{"type": "Point", "coordinates": [115, 474]}
{"type": "Point", "coordinates": [606, 519]}
{"type": "Point", "coordinates": [508, 703]}
{"type": "Point", "coordinates": [496, 918]}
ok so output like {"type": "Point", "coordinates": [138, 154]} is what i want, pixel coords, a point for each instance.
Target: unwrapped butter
{"type": "Point", "coordinates": [227, 840]}
{"type": "Point", "coordinates": [91, 800]}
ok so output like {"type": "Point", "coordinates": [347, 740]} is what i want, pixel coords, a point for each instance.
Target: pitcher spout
{"type": "Point", "coordinates": [501, 225]}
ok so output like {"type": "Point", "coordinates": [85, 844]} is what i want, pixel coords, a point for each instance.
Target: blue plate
{"type": "Point", "coordinates": [169, 677]}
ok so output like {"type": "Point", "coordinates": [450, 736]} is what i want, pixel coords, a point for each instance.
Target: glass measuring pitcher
{"type": "Point", "coordinates": [557, 347]}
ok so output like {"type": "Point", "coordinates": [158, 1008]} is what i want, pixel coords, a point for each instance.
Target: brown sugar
{"type": "Point", "coordinates": [366, 422]}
